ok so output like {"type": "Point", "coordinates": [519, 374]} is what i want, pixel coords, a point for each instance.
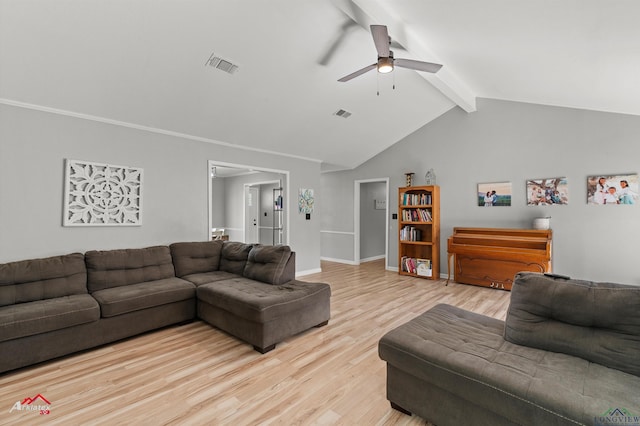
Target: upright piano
{"type": "Point", "coordinates": [491, 257]}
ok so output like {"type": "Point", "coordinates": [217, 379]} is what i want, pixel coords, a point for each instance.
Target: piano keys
{"type": "Point", "coordinates": [491, 257]}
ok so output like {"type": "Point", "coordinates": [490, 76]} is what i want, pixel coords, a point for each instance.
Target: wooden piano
{"type": "Point", "coordinates": [491, 257]}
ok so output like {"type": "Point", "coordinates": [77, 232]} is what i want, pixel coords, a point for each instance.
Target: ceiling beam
{"type": "Point", "coordinates": [367, 12]}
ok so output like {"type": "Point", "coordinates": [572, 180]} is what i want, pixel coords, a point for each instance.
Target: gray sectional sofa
{"type": "Point", "coordinates": [58, 305]}
{"type": "Point", "coordinates": [567, 354]}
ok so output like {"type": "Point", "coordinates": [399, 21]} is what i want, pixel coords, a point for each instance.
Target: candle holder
{"type": "Point", "coordinates": [409, 178]}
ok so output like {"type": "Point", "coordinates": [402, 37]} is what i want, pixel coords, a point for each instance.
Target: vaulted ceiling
{"type": "Point", "coordinates": [143, 63]}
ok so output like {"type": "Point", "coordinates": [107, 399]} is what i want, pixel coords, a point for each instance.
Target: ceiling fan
{"type": "Point", "coordinates": [355, 17]}
{"type": "Point", "coordinates": [386, 61]}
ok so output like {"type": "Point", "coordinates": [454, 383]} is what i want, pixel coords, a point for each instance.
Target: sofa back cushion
{"type": "Point", "coordinates": [234, 256]}
{"type": "Point", "coordinates": [599, 322]}
{"type": "Point", "coordinates": [196, 257]}
{"type": "Point", "coordinates": [115, 268]}
{"type": "Point", "coordinates": [39, 279]}
{"type": "Point", "coordinates": [267, 263]}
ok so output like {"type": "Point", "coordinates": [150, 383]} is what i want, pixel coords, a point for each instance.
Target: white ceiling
{"type": "Point", "coordinates": [142, 62]}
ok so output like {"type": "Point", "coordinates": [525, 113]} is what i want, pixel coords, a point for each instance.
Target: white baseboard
{"type": "Point", "coordinates": [370, 259]}
{"type": "Point", "coordinates": [308, 272]}
{"type": "Point", "coordinates": [345, 261]}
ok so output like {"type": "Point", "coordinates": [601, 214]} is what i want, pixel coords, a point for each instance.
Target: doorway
{"type": "Point", "coordinates": [371, 201]}
{"type": "Point", "coordinates": [228, 202]}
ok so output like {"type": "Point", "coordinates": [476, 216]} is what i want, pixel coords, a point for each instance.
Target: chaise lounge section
{"type": "Point", "coordinates": [567, 354]}
{"type": "Point", "coordinates": [251, 292]}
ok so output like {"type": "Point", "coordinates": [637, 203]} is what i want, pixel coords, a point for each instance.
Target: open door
{"type": "Point", "coordinates": [251, 214]}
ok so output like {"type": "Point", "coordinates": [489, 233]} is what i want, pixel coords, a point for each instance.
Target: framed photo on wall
{"type": "Point", "coordinates": [612, 189]}
{"type": "Point", "coordinates": [547, 192]}
{"type": "Point", "coordinates": [494, 194]}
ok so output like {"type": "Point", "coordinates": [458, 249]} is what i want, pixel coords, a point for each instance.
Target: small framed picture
{"type": "Point", "coordinates": [612, 189]}
{"type": "Point", "coordinates": [305, 200]}
{"type": "Point", "coordinates": [494, 194]}
{"type": "Point", "coordinates": [547, 192]}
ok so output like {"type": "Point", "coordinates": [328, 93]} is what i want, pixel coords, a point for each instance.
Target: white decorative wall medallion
{"type": "Point", "coordinates": [102, 194]}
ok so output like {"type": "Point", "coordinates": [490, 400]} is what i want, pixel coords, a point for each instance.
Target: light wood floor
{"type": "Point", "coordinates": [194, 374]}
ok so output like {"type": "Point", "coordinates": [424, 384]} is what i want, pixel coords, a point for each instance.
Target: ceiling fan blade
{"type": "Point", "coordinates": [331, 50]}
{"type": "Point", "coordinates": [417, 65]}
{"type": "Point", "coordinates": [381, 40]}
{"type": "Point", "coordinates": [357, 73]}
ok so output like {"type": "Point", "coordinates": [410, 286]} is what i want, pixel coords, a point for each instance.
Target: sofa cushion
{"type": "Point", "coordinates": [234, 256]}
{"type": "Point", "coordinates": [120, 300]}
{"type": "Point", "coordinates": [46, 278]}
{"type": "Point", "coordinates": [196, 257]}
{"type": "Point", "coordinates": [209, 277]}
{"type": "Point", "coordinates": [41, 316]}
{"type": "Point", "coordinates": [599, 322]}
{"type": "Point", "coordinates": [115, 268]}
{"type": "Point", "coordinates": [260, 302]}
{"type": "Point", "coordinates": [267, 263]}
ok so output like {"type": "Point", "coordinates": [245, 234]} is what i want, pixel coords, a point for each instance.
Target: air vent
{"type": "Point", "coordinates": [222, 64]}
{"type": "Point", "coordinates": [342, 113]}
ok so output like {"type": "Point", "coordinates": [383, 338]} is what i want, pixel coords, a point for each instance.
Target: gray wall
{"type": "Point", "coordinates": [34, 145]}
{"type": "Point", "coordinates": [372, 221]}
{"type": "Point", "coordinates": [336, 216]}
{"type": "Point", "coordinates": [510, 141]}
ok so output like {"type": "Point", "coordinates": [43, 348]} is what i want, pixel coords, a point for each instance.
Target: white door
{"type": "Point", "coordinates": [251, 214]}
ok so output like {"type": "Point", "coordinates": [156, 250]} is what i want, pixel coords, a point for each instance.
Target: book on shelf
{"type": "Point", "coordinates": [410, 233]}
{"type": "Point", "coordinates": [423, 267]}
{"type": "Point", "coordinates": [416, 215]}
{"type": "Point", "coordinates": [404, 264]}
{"type": "Point", "coordinates": [422, 199]}
{"type": "Point", "coordinates": [408, 264]}
{"type": "Point", "coordinates": [416, 266]}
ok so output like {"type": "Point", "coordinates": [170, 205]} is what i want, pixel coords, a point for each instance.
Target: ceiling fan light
{"type": "Point", "coordinates": [385, 65]}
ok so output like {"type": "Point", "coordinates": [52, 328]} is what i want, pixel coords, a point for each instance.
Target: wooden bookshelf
{"type": "Point", "coordinates": [419, 231]}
